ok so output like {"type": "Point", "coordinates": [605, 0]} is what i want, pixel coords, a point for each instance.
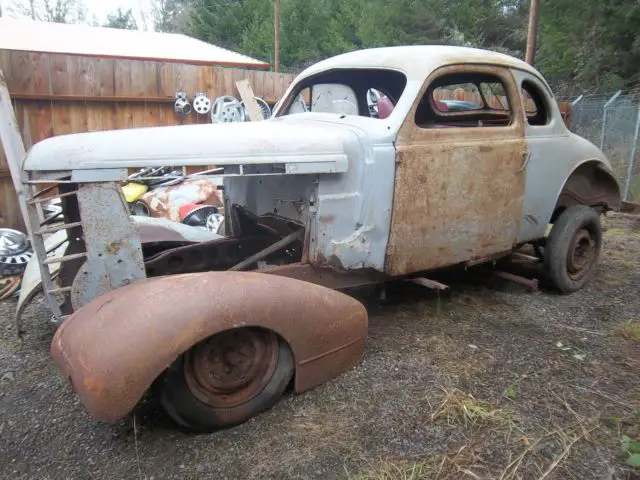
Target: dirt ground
{"type": "Point", "coordinates": [485, 381]}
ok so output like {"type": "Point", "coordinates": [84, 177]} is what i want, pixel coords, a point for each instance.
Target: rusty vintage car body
{"type": "Point", "coordinates": [329, 193]}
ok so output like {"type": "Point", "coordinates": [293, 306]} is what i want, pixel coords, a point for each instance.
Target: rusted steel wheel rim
{"type": "Point", "coordinates": [582, 254]}
{"type": "Point", "coordinates": [231, 368]}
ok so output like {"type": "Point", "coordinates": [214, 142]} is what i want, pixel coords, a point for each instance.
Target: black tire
{"type": "Point", "coordinates": [186, 407]}
{"type": "Point", "coordinates": [572, 248]}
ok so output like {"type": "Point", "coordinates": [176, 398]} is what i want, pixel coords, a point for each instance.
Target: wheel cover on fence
{"type": "Point", "coordinates": [227, 109]}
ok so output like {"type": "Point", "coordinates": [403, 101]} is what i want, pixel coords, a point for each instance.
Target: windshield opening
{"type": "Point", "coordinates": [365, 92]}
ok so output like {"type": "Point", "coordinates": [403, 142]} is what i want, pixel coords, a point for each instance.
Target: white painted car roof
{"type": "Point", "coordinates": [419, 60]}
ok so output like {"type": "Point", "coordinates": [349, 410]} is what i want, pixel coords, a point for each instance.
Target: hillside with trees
{"type": "Point", "coordinates": [589, 46]}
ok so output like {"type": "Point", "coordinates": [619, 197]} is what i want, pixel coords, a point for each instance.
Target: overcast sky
{"type": "Point", "coordinates": [102, 7]}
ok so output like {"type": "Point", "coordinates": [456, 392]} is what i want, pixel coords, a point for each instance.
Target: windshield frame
{"type": "Point", "coordinates": [319, 78]}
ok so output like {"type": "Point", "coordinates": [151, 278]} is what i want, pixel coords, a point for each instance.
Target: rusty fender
{"type": "Point", "coordinates": [113, 348]}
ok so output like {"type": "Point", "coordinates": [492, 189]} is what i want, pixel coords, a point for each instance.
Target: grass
{"type": "Point", "coordinates": [625, 263]}
{"type": "Point", "coordinates": [629, 330]}
{"type": "Point", "coordinates": [614, 280]}
{"type": "Point", "coordinates": [460, 408]}
{"type": "Point", "coordinates": [467, 462]}
{"type": "Point", "coordinates": [615, 232]}
{"type": "Point", "coordinates": [398, 470]}
{"type": "Point", "coordinates": [467, 386]}
{"type": "Point", "coordinates": [621, 258]}
{"type": "Point", "coordinates": [458, 465]}
{"type": "Point", "coordinates": [548, 453]}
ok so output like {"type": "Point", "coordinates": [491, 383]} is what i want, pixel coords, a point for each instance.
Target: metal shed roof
{"type": "Point", "coordinates": [45, 37]}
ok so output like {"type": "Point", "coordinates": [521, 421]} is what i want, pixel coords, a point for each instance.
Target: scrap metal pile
{"type": "Point", "coordinates": [15, 253]}
{"type": "Point", "coordinates": [166, 192]}
{"type": "Point", "coordinates": [166, 205]}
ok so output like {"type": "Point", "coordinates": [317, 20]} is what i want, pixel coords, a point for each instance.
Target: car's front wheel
{"type": "Point", "coordinates": [227, 378]}
{"type": "Point", "coordinates": [572, 249]}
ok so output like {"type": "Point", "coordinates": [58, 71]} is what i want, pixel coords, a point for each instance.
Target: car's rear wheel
{"type": "Point", "coordinates": [227, 379]}
{"type": "Point", "coordinates": [572, 249]}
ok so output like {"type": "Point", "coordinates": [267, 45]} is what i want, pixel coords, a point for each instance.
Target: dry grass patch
{"type": "Point", "coordinates": [396, 470]}
{"type": "Point", "coordinates": [629, 330]}
{"type": "Point", "coordinates": [530, 458]}
{"type": "Point", "coordinates": [454, 360]}
{"type": "Point", "coordinates": [615, 232]}
{"type": "Point", "coordinates": [622, 258]}
{"type": "Point", "coordinates": [613, 280]}
{"type": "Point", "coordinates": [482, 301]}
{"type": "Point", "coordinates": [331, 429]}
{"type": "Point", "coordinates": [462, 464]}
{"type": "Point", "coordinates": [460, 408]}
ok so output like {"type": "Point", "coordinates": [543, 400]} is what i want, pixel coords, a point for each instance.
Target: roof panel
{"type": "Point", "coordinates": [417, 61]}
{"type": "Point", "coordinates": [45, 37]}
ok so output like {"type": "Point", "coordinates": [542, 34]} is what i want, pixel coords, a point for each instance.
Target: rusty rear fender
{"type": "Point", "coordinates": [591, 183]}
{"type": "Point", "coordinates": [113, 348]}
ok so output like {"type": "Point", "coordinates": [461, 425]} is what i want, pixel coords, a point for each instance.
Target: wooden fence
{"type": "Point", "coordinates": [56, 94]}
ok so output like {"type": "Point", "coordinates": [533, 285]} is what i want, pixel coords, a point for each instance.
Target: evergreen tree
{"type": "Point", "coordinates": [122, 19]}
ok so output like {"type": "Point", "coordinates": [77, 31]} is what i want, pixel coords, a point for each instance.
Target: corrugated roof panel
{"type": "Point", "coordinates": [45, 37]}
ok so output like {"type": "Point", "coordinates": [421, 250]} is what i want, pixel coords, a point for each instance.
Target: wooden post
{"type": "Point", "coordinates": [276, 35]}
{"type": "Point", "coordinates": [534, 16]}
{"type": "Point", "coordinates": [13, 146]}
{"type": "Point", "coordinates": [249, 100]}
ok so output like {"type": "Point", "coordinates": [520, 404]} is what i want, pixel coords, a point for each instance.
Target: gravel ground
{"type": "Point", "coordinates": [485, 381]}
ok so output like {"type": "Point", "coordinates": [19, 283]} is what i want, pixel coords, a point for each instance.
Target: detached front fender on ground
{"type": "Point", "coordinates": [113, 348]}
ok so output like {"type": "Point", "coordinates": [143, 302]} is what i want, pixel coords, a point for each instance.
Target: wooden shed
{"type": "Point", "coordinates": [75, 78]}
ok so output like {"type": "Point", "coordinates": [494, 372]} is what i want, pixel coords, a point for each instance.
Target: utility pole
{"type": "Point", "coordinates": [534, 16]}
{"type": "Point", "coordinates": [276, 34]}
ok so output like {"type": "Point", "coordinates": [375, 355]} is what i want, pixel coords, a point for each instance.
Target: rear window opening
{"type": "Point", "coordinates": [369, 93]}
{"type": "Point", "coordinates": [465, 100]}
{"type": "Point", "coordinates": [534, 104]}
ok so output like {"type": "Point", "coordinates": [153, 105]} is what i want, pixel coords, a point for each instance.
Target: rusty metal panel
{"type": "Point", "coordinates": [565, 112]}
{"type": "Point", "coordinates": [326, 276]}
{"type": "Point", "coordinates": [458, 191]}
{"type": "Point", "coordinates": [113, 348]}
{"type": "Point", "coordinates": [114, 252]}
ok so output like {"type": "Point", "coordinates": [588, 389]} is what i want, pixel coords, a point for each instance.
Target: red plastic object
{"type": "Point", "coordinates": [186, 208]}
{"type": "Point", "coordinates": [385, 107]}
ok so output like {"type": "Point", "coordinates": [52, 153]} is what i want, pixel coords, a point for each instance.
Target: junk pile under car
{"type": "Point", "coordinates": [168, 207]}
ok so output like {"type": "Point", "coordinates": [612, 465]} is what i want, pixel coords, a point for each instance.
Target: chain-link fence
{"type": "Point", "coordinates": [612, 121]}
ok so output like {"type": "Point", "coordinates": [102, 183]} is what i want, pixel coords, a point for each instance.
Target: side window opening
{"type": "Point", "coordinates": [535, 107]}
{"type": "Point", "coordinates": [465, 100]}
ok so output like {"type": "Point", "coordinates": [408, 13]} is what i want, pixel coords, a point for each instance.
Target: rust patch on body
{"type": "Point", "coordinates": [113, 247]}
{"type": "Point", "coordinates": [458, 190]}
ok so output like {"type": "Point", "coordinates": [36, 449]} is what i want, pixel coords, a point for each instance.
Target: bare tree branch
{"type": "Point", "coordinates": [59, 11]}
